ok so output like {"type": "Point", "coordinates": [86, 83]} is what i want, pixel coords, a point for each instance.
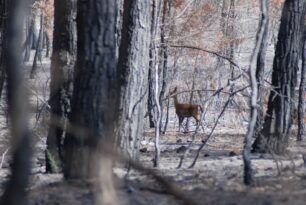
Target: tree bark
{"type": "Point", "coordinates": [164, 57]}
{"type": "Point", "coordinates": [278, 120]}
{"type": "Point", "coordinates": [95, 100]}
{"type": "Point", "coordinates": [260, 68]}
{"type": "Point", "coordinates": [3, 42]}
{"type": "Point", "coordinates": [133, 65]}
{"type": "Point", "coordinates": [38, 51]}
{"type": "Point", "coordinates": [248, 177]}
{"type": "Point", "coordinates": [62, 62]}
{"type": "Point", "coordinates": [15, 191]}
{"type": "Point", "coordinates": [302, 93]}
{"type": "Point", "coordinates": [150, 103]}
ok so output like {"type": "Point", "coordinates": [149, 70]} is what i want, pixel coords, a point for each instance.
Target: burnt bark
{"type": "Point", "coordinates": [150, 103]}
{"type": "Point", "coordinates": [62, 62]}
{"type": "Point", "coordinates": [95, 99]}
{"type": "Point", "coordinates": [248, 175]}
{"type": "Point", "coordinates": [278, 120]}
{"type": "Point", "coordinates": [3, 41]}
{"type": "Point", "coordinates": [302, 93]}
{"type": "Point", "coordinates": [38, 52]}
{"type": "Point", "coordinates": [260, 69]}
{"type": "Point", "coordinates": [29, 38]}
{"type": "Point", "coordinates": [163, 56]}
{"type": "Point", "coordinates": [133, 65]}
{"type": "Point", "coordinates": [15, 191]}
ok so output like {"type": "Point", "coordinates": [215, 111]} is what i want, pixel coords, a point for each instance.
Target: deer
{"type": "Point", "coordinates": [185, 110]}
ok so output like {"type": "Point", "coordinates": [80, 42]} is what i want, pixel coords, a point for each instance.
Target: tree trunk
{"type": "Point", "coordinates": [150, 103]}
{"type": "Point", "coordinates": [248, 178]}
{"type": "Point", "coordinates": [302, 93]}
{"type": "Point", "coordinates": [3, 42]}
{"type": "Point", "coordinates": [38, 51]}
{"type": "Point", "coordinates": [95, 100]}
{"type": "Point", "coordinates": [15, 191]}
{"type": "Point", "coordinates": [133, 64]}
{"type": "Point", "coordinates": [62, 62]}
{"type": "Point", "coordinates": [28, 42]}
{"type": "Point", "coordinates": [260, 68]}
{"type": "Point", "coordinates": [278, 120]}
{"type": "Point", "coordinates": [163, 57]}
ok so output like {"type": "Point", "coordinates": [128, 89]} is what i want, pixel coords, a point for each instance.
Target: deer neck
{"type": "Point", "coordinates": [175, 100]}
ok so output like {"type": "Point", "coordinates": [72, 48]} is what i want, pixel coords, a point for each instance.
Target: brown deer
{"type": "Point", "coordinates": [185, 110]}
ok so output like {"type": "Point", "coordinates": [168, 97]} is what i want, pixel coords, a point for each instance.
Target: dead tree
{"type": "Point", "coordinates": [62, 62]}
{"type": "Point", "coordinates": [260, 69]}
{"type": "Point", "coordinates": [248, 178]}
{"type": "Point", "coordinates": [302, 93]}
{"type": "Point", "coordinates": [163, 55]}
{"type": "Point", "coordinates": [3, 41]}
{"type": "Point", "coordinates": [150, 103]}
{"type": "Point", "coordinates": [38, 52]}
{"type": "Point", "coordinates": [275, 134]}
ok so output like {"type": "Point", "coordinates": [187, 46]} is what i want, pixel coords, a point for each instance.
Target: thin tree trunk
{"type": "Point", "coordinates": [48, 45]}
{"type": "Point", "coordinates": [38, 49]}
{"type": "Point", "coordinates": [150, 103]}
{"type": "Point", "coordinates": [260, 68]}
{"type": "Point", "coordinates": [302, 93]}
{"type": "Point", "coordinates": [28, 42]}
{"type": "Point", "coordinates": [157, 108]}
{"type": "Point", "coordinates": [248, 178]}
{"type": "Point", "coordinates": [163, 57]}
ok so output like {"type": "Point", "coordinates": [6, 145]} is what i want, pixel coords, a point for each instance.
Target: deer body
{"type": "Point", "coordinates": [186, 110]}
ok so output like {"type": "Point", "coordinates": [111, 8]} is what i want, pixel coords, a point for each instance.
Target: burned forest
{"type": "Point", "coordinates": [145, 102]}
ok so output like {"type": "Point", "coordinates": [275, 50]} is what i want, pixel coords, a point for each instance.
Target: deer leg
{"type": "Point", "coordinates": [180, 123]}
{"type": "Point", "coordinates": [197, 119]}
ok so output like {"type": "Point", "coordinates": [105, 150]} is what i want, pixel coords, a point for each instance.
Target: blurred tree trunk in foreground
{"type": "Point", "coordinates": [15, 191]}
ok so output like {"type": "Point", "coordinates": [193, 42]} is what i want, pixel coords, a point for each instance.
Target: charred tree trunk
{"type": "Point", "coordinates": [150, 103]}
{"type": "Point", "coordinates": [278, 120]}
{"type": "Point", "coordinates": [38, 52]}
{"type": "Point", "coordinates": [28, 43]}
{"type": "Point", "coordinates": [95, 100]}
{"type": "Point", "coordinates": [248, 177]}
{"type": "Point", "coordinates": [62, 62]}
{"type": "Point", "coordinates": [302, 93]}
{"type": "Point", "coordinates": [260, 68]}
{"type": "Point", "coordinates": [3, 41]}
{"type": "Point", "coordinates": [133, 64]}
{"type": "Point", "coordinates": [15, 191]}
{"type": "Point", "coordinates": [48, 45]}
{"type": "Point", "coordinates": [164, 57]}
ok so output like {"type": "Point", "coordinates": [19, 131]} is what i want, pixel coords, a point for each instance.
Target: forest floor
{"type": "Point", "coordinates": [216, 178]}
